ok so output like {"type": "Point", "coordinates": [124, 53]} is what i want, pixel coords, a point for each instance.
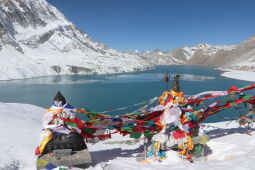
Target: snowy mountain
{"type": "Point", "coordinates": [226, 57]}
{"type": "Point", "coordinates": [201, 54]}
{"type": "Point", "coordinates": [37, 40]}
{"type": "Point", "coordinates": [229, 146]}
{"type": "Point", "coordinates": [205, 55]}
{"type": "Point", "coordinates": [242, 57]}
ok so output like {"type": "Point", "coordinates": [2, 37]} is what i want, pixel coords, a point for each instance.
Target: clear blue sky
{"type": "Point", "coordinates": [162, 24]}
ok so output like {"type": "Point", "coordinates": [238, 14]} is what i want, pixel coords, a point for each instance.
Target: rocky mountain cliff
{"type": "Point", "coordinates": [37, 40]}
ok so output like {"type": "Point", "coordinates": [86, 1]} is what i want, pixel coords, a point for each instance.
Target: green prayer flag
{"type": "Point", "coordinates": [126, 129]}
{"type": "Point", "coordinates": [148, 134]}
{"type": "Point", "coordinates": [71, 124]}
{"type": "Point", "coordinates": [89, 131]}
{"type": "Point", "coordinates": [135, 135]}
{"type": "Point", "coordinates": [198, 150]}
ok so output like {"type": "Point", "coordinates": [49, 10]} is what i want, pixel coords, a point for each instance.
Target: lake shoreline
{"type": "Point", "coordinates": [79, 74]}
{"type": "Point", "coordinates": [240, 75]}
{"type": "Point", "coordinates": [154, 67]}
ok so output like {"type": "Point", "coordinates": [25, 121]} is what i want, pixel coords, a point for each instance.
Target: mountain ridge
{"type": "Point", "coordinates": [200, 54]}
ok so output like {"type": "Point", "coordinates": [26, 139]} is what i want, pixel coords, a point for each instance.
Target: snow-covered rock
{"type": "Point", "coordinates": [37, 40]}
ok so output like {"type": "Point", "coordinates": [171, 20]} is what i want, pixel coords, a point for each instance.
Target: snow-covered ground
{"type": "Point", "coordinates": [241, 75]}
{"type": "Point", "coordinates": [229, 148]}
{"type": "Point", "coordinates": [20, 129]}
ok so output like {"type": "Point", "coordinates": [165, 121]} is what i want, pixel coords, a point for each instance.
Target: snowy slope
{"type": "Point", "coordinates": [37, 40]}
{"type": "Point", "coordinates": [230, 148]}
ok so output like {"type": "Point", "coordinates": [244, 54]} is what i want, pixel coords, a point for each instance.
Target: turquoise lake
{"type": "Point", "coordinates": [107, 92]}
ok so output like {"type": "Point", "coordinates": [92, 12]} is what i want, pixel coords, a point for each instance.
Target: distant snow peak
{"type": "Point", "coordinates": [195, 55]}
